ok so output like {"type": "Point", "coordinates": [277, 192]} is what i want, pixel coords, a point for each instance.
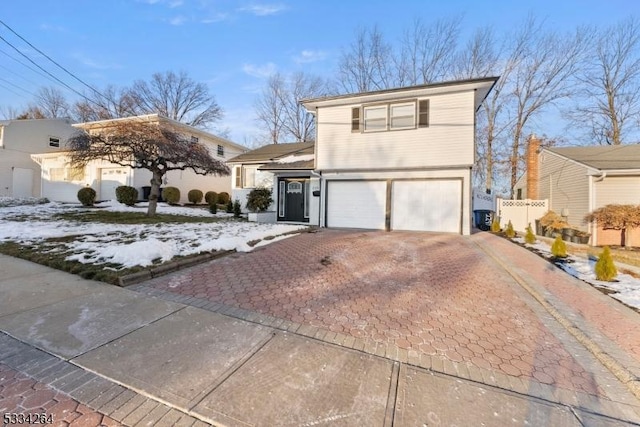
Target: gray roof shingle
{"type": "Point", "coordinates": [272, 152]}
{"type": "Point", "coordinates": [606, 157]}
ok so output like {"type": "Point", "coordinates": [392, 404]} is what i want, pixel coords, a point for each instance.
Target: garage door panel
{"type": "Point", "coordinates": [356, 204]}
{"type": "Point", "coordinates": [426, 205]}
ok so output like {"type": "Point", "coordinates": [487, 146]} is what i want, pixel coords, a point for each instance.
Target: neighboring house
{"type": "Point", "coordinates": [287, 168]}
{"type": "Point", "coordinates": [19, 175]}
{"type": "Point", "coordinates": [61, 182]}
{"type": "Point", "coordinates": [578, 180]}
{"type": "Point", "coordinates": [398, 159]}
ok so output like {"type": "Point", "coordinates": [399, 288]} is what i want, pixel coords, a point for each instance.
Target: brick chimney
{"type": "Point", "coordinates": [533, 168]}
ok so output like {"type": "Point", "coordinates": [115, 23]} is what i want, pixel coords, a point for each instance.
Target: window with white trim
{"type": "Point", "coordinates": [375, 118]}
{"type": "Point", "coordinates": [402, 116]}
{"type": "Point", "coordinates": [249, 180]}
{"type": "Point", "coordinates": [220, 150]}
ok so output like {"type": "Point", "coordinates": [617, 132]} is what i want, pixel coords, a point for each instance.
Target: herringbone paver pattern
{"type": "Point", "coordinates": [430, 294]}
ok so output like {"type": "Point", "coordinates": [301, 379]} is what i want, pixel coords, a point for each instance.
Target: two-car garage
{"type": "Point", "coordinates": [396, 204]}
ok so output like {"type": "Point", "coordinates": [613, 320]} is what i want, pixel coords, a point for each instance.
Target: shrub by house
{"type": "Point", "coordinates": [126, 195]}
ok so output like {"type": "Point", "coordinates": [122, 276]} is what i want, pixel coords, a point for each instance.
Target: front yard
{"type": "Point", "coordinates": [112, 240]}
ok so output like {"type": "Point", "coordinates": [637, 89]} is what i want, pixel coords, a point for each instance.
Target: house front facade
{"type": "Point", "coordinates": [19, 174]}
{"type": "Point", "coordinates": [286, 169]}
{"type": "Point", "coordinates": [61, 182]}
{"type": "Point", "coordinates": [398, 159]}
{"type": "Point", "coordinates": [579, 180]}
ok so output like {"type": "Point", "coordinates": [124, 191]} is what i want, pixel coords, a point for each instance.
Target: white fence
{"type": "Point", "coordinates": [521, 213]}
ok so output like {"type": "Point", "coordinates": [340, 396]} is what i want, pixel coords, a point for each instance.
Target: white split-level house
{"type": "Point", "coordinates": [396, 159]}
{"type": "Point", "coordinates": [61, 182]}
{"type": "Point", "coordinates": [19, 174]}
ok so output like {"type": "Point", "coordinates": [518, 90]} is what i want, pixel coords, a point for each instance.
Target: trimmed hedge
{"type": "Point", "coordinates": [87, 196]}
{"type": "Point", "coordinates": [127, 195]}
{"type": "Point", "coordinates": [194, 196]}
{"type": "Point", "coordinates": [171, 195]}
{"type": "Point", "coordinates": [259, 199]}
{"type": "Point", "coordinates": [211, 197]}
{"type": "Point", "coordinates": [224, 198]}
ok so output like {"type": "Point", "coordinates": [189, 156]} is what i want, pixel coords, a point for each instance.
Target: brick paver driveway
{"type": "Point", "coordinates": [430, 294]}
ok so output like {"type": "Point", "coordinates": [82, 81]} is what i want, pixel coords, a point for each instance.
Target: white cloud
{"type": "Point", "coordinates": [178, 20]}
{"type": "Point", "coordinates": [263, 9]}
{"type": "Point", "coordinates": [215, 17]}
{"type": "Point", "coordinates": [175, 3]}
{"type": "Point", "coordinates": [307, 56]}
{"type": "Point", "coordinates": [260, 71]}
{"type": "Point", "coordinates": [97, 64]}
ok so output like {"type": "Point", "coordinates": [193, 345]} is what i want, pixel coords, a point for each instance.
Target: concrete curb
{"type": "Point", "coordinates": [631, 381]}
{"type": "Point", "coordinates": [142, 276]}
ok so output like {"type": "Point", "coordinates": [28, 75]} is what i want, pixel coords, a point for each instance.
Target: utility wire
{"type": "Point", "coordinates": [19, 75]}
{"type": "Point", "coordinates": [10, 90]}
{"type": "Point", "coordinates": [26, 65]}
{"type": "Point", "coordinates": [50, 59]}
{"type": "Point", "coordinates": [17, 87]}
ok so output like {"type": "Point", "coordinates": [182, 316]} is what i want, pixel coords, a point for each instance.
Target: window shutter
{"type": "Point", "coordinates": [423, 113]}
{"type": "Point", "coordinates": [238, 176]}
{"type": "Point", "coordinates": [355, 119]}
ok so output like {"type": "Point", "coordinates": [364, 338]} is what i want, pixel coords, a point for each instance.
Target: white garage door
{"type": "Point", "coordinates": [110, 179]}
{"type": "Point", "coordinates": [356, 204]}
{"type": "Point", "coordinates": [432, 205]}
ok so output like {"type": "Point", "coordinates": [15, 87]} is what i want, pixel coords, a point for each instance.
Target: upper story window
{"type": "Point", "coordinates": [194, 139]}
{"type": "Point", "coordinates": [54, 142]}
{"type": "Point", "coordinates": [402, 116]}
{"type": "Point", "coordinates": [220, 150]}
{"type": "Point", "coordinates": [392, 116]}
{"type": "Point", "coordinates": [375, 118]}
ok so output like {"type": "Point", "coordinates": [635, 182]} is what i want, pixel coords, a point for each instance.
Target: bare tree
{"type": "Point", "coordinates": [9, 112]}
{"type": "Point", "coordinates": [52, 102]}
{"type": "Point", "coordinates": [144, 145]}
{"type": "Point", "coordinates": [176, 96]}
{"type": "Point", "coordinates": [540, 78]}
{"type": "Point", "coordinates": [428, 52]}
{"type": "Point", "coordinates": [110, 103]}
{"type": "Point", "coordinates": [278, 107]}
{"type": "Point", "coordinates": [611, 84]}
{"type": "Point", "coordinates": [270, 108]}
{"type": "Point", "coordinates": [368, 64]}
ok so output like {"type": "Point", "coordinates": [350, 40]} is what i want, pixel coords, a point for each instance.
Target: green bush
{"type": "Point", "coordinates": [510, 232]}
{"type": "Point", "coordinates": [87, 196]}
{"type": "Point", "coordinates": [213, 207]}
{"type": "Point", "coordinates": [237, 209]}
{"type": "Point", "coordinates": [229, 206]}
{"type": "Point", "coordinates": [224, 198]}
{"type": "Point", "coordinates": [530, 238]}
{"type": "Point", "coordinates": [605, 268]}
{"type": "Point", "coordinates": [495, 226]}
{"type": "Point", "coordinates": [127, 195]}
{"type": "Point", "coordinates": [559, 248]}
{"type": "Point", "coordinates": [259, 199]}
{"type": "Point", "coordinates": [171, 195]}
{"type": "Point", "coordinates": [211, 197]}
{"type": "Point", "coordinates": [194, 196]}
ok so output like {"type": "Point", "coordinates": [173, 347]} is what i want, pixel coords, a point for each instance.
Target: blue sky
{"type": "Point", "coordinates": [234, 45]}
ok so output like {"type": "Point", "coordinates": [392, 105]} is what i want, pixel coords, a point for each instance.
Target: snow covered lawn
{"type": "Point", "coordinates": [126, 245]}
{"type": "Point", "coordinates": [625, 288]}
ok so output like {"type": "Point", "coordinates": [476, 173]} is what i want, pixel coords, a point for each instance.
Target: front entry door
{"type": "Point", "coordinates": [292, 194]}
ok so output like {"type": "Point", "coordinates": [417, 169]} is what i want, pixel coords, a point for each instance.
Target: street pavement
{"type": "Point", "coordinates": [336, 327]}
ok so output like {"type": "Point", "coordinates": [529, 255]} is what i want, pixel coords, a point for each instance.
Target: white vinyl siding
{"type": "Point", "coordinates": [566, 185]}
{"type": "Point", "coordinates": [623, 190]}
{"type": "Point", "coordinates": [356, 204]}
{"type": "Point", "coordinates": [447, 141]}
{"type": "Point", "coordinates": [429, 205]}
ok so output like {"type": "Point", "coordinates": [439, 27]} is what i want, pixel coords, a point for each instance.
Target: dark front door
{"type": "Point", "coordinates": [292, 193]}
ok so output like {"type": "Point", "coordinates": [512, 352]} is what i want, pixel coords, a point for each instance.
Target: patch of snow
{"type": "Point", "coordinates": [294, 158]}
{"type": "Point", "coordinates": [626, 288]}
{"type": "Point", "coordinates": [131, 245]}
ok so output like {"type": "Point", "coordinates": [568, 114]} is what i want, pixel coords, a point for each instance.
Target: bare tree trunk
{"type": "Point", "coordinates": [156, 181]}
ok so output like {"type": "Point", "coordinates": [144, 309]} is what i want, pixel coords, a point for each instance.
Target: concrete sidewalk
{"type": "Point", "coordinates": [136, 359]}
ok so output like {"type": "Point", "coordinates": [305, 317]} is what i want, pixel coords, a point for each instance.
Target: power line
{"type": "Point", "coordinates": [49, 74]}
{"type": "Point", "coordinates": [50, 59]}
{"type": "Point", "coordinates": [17, 87]}
{"type": "Point", "coordinates": [18, 75]}
{"type": "Point", "coordinates": [26, 65]}
{"type": "Point", "coordinates": [9, 89]}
